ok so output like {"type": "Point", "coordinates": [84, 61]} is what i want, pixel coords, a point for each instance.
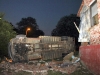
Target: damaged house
{"type": "Point", "coordinates": [89, 34]}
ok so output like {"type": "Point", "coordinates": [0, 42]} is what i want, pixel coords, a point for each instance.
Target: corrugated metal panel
{"type": "Point", "coordinates": [32, 40]}
{"type": "Point", "coordinates": [49, 39]}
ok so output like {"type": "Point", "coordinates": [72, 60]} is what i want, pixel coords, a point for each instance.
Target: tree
{"type": "Point", "coordinates": [66, 27]}
{"type": "Point", "coordinates": [28, 22]}
{"type": "Point", "coordinates": [6, 33]}
{"type": "Point", "coordinates": [38, 33]}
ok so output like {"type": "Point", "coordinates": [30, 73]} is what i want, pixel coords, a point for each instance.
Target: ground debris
{"type": "Point", "coordinates": [39, 68]}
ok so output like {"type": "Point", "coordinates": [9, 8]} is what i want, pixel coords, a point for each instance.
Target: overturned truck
{"type": "Point", "coordinates": [22, 48]}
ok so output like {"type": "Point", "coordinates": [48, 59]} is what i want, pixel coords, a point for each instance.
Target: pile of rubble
{"type": "Point", "coordinates": [68, 65]}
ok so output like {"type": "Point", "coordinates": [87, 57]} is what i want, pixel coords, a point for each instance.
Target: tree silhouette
{"type": "Point", "coordinates": [39, 33]}
{"type": "Point", "coordinates": [66, 27]}
{"type": "Point", "coordinates": [29, 22]}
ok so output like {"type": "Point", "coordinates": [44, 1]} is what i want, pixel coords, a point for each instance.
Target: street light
{"type": "Point", "coordinates": [28, 29]}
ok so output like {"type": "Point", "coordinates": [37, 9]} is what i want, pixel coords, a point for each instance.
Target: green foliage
{"type": "Point", "coordinates": [6, 33]}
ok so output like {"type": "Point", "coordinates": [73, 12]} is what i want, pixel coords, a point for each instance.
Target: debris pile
{"type": "Point", "coordinates": [68, 65]}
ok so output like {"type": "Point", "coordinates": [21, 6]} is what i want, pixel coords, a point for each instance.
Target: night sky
{"type": "Point", "coordinates": [46, 12]}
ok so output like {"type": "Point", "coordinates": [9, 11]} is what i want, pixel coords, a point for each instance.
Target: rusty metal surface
{"type": "Point", "coordinates": [90, 57]}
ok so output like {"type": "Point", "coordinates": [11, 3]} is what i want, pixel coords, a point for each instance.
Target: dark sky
{"type": "Point", "coordinates": [46, 12]}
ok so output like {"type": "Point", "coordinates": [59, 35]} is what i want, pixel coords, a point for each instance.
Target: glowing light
{"type": "Point", "coordinates": [28, 29]}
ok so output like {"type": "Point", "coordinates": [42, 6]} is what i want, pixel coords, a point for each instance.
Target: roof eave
{"type": "Point", "coordinates": [78, 14]}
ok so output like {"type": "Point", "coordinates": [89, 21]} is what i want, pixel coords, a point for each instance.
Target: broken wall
{"type": "Point", "coordinates": [88, 32]}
